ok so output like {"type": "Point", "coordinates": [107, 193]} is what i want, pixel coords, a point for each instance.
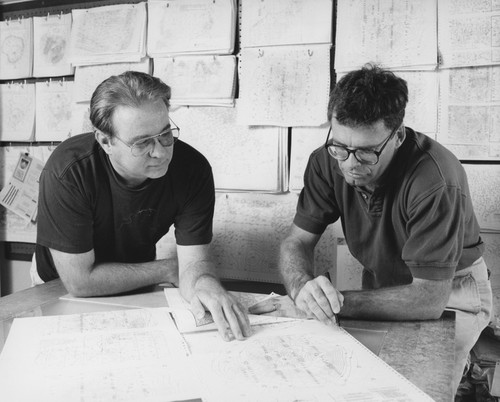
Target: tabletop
{"type": "Point", "coordinates": [422, 351]}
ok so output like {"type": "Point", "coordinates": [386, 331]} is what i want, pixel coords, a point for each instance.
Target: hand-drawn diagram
{"type": "Point", "coordinates": [232, 148]}
{"type": "Point", "coordinates": [53, 110]}
{"type": "Point", "coordinates": [469, 112]}
{"type": "Point", "coordinates": [302, 360]}
{"type": "Point", "coordinates": [191, 26]}
{"type": "Point", "coordinates": [294, 93]}
{"type": "Point", "coordinates": [17, 108]}
{"type": "Point", "coordinates": [16, 48]}
{"type": "Point", "coordinates": [273, 363]}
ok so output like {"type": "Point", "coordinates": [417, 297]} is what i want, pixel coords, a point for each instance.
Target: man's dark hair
{"type": "Point", "coordinates": [364, 96]}
{"type": "Point", "coordinates": [130, 89]}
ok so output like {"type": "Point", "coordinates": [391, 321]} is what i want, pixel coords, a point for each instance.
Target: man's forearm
{"type": "Point", "coordinates": [416, 301]}
{"type": "Point", "coordinates": [296, 266]}
{"type": "Point", "coordinates": [113, 278]}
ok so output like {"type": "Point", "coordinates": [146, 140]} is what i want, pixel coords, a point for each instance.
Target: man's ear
{"type": "Point", "coordinates": [400, 135]}
{"type": "Point", "coordinates": [104, 140]}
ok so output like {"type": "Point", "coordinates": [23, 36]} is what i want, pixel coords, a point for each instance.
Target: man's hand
{"type": "Point", "coordinates": [228, 314]}
{"type": "Point", "coordinates": [319, 298]}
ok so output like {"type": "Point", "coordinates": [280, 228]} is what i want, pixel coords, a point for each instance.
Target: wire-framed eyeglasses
{"type": "Point", "coordinates": [166, 138]}
{"type": "Point", "coordinates": [366, 156]}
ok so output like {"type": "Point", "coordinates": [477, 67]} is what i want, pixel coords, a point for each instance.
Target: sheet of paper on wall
{"type": "Point", "coordinates": [186, 322]}
{"type": "Point", "coordinates": [109, 34]}
{"type": "Point", "coordinates": [304, 141]}
{"type": "Point", "coordinates": [469, 112]}
{"type": "Point", "coordinates": [20, 195]}
{"type": "Point", "coordinates": [421, 111]}
{"type": "Point", "coordinates": [51, 45]}
{"type": "Point", "coordinates": [231, 149]}
{"type": "Point", "coordinates": [87, 78]}
{"type": "Point", "coordinates": [126, 355]}
{"type": "Point", "coordinates": [248, 231]}
{"type": "Point", "coordinates": [17, 111]}
{"type": "Point", "coordinates": [285, 22]}
{"type": "Point", "coordinates": [16, 48]}
{"type": "Point", "coordinates": [80, 118]}
{"type": "Point", "coordinates": [54, 101]}
{"type": "Point", "coordinates": [294, 93]}
{"type": "Point", "coordinates": [191, 27]}
{"type": "Point", "coordinates": [299, 360]}
{"type": "Point", "coordinates": [468, 33]}
{"type": "Point", "coordinates": [198, 80]}
{"type": "Point", "coordinates": [399, 34]}
{"type": "Point", "coordinates": [484, 185]}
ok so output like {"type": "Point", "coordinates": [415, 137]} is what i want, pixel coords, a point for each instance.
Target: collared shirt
{"type": "Point", "coordinates": [418, 222]}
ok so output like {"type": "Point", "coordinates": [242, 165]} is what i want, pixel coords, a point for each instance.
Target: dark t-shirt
{"type": "Point", "coordinates": [418, 223]}
{"type": "Point", "coordinates": [84, 205]}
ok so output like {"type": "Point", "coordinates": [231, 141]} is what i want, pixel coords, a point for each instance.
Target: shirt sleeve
{"type": "Point", "coordinates": [436, 232]}
{"type": "Point", "coordinates": [64, 219]}
{"type": "Point", "coordinates": [317, 206]}
{"type": "Point", "coordinates": [193, 224]}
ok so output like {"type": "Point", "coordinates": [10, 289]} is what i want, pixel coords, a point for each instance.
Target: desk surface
{"type": "Point", "coordinates": [422, 351]}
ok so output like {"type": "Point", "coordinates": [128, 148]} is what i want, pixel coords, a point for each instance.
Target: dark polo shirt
{"type": "Point", "coordinates": [419, 222]}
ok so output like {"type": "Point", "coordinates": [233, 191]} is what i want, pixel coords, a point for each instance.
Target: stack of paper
{"type": "Point", "coordinates": [213, 131]}
{"type": "Point", "coordinates": [17, 111]}
{"type": "Point", "coordinates": [284, 68]}
{"type": "Point", "coordinates": [191, 27]}
{"type": "Point", "coordinates": [51, 45]}
{"type": "Point", "coordinates": [109, 34]}
{"type": "Point", "coordinates": [16, 48]}
{"type": "Point", "coordinates": [199, 80]}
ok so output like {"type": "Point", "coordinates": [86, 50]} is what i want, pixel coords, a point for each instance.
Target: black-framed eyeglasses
{"type": "Point", "coordinates": [366, 156]}
{"type": "Point", "coordinates": [166, 138]}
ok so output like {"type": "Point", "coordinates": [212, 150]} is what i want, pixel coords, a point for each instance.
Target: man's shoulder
{"type": "Point", "coordinates": [431, 162]}
{"type": "Point", "coordinates": [71, 153]}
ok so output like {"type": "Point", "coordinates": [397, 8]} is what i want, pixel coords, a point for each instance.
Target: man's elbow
{"type": "Point", "coordinates": [78, 288]}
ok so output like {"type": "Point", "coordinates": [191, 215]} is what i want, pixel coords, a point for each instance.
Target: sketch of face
{"type": "Point", "coordinates": [53, 48]}
{"type": "Point", "coordinates": [13, 48]}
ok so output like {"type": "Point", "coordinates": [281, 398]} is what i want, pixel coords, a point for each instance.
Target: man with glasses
{"type": "Point", "coordinates": [107, 197]}
{"type": "Point", "coordinates": [406, 212]}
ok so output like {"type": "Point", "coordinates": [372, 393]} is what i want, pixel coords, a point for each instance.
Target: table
{"type": "Point", "coordinates": [422, 351]}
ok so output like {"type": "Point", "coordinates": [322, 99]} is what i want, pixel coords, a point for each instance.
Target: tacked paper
{"type": "Point", "coordinates": [17, 111]}
{"type": "Point", "coordinates": [469, 112]}
{"type": "Point", "coordinates": [243, 158]}
{"type": "Point", "coordinates": [284, 85]}
{"type": "Point", "coordinates": [54, 101]}
{"type": "Point", "coordinates": [51, 45]}
{"type": "Point", "coordinates": [16, 48]}
{"type": "Point", "coordinates": [469, 33]}
{"type": "Point", "coordinates": [191, 27]}
{"type": "Point", "coordinates": [396, 34]}
{"type": "Point", "coordinates": [198, 80]}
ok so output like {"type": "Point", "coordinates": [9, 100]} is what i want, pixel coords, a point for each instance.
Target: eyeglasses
{"type": "Point", "coordinates": [143, 146]}
{"type": "Point", "coordinates": [366, 156]}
